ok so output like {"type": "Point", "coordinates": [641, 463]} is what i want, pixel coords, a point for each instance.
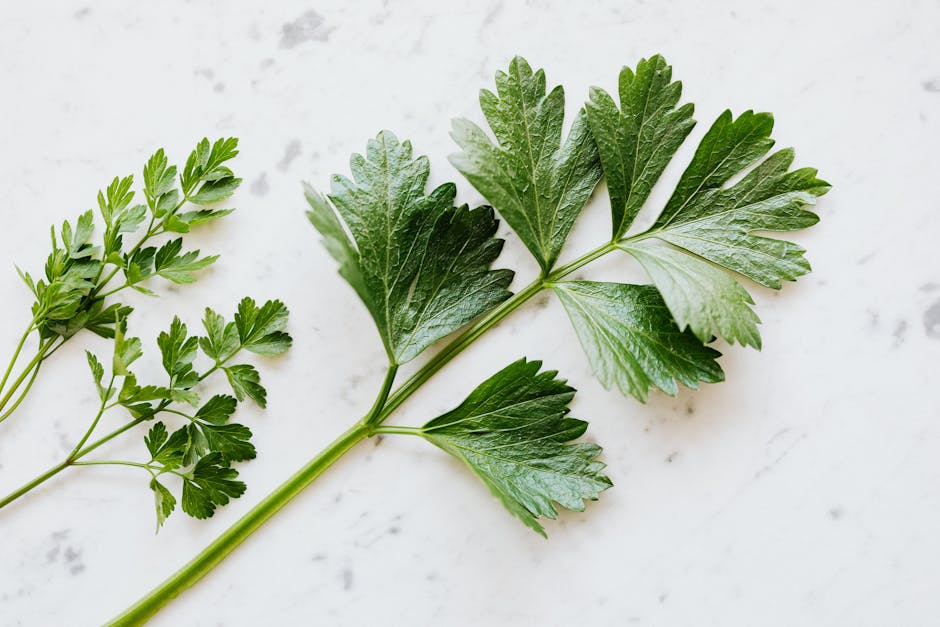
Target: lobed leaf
{"type": "Point", "coordinates": [514, 433]}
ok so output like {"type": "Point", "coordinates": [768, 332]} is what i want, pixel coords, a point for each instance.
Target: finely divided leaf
{"type": "Point", "coordinates": [632, 340]}
{"type": "Point", "coordinates": [514, 433]}
{"type": "Point", "coordinates": [420, 264]}
{"type": "Point", "coordinates": [637, 140]}
{"type": "Point", "coordinates": [537, 183]}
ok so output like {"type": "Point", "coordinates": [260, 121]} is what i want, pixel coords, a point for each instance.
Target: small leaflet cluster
{"type": "Point", "coordinates": [199, 453]}
{"type": "Point", "coordinates": [71, 295]}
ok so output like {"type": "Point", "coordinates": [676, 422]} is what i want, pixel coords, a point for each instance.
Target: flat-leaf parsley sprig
{"type": "Point", "coordinates": [83, 274]}
{"type": "Point", "coordinates": [198, 454]}
{"type": "Point", "coordinates": [421, 266]}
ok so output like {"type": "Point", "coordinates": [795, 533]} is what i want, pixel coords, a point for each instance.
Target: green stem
{"type": "Point", "coordinates": [381, 399]}
{"type": "Point", "coordinates": [390, 429]}
{"type": "Point", "coordinates": [16, 354]}
{"type": "Point", "coordinates": [386, 402]}
{"type": "Point", "coordinates": [33, 484]}
{"type": "Point", "coordinates": [94, 423]}
{"type": "Point", "coordinates": [22, 396]}
{"type": "Point", "coordinates": [78, 452]}
{"type": "Point", "coordinates": [197, 568]}
{"type": "Point", "coordinates": [30, 370]}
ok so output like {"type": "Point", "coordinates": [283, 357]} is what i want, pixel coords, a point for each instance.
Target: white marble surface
{"type": "Point", "coordinates": [804, 490]}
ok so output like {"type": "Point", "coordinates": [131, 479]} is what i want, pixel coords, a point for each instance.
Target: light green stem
{"type": "Point", "coordinates": [31, 369]}
{"type": "Point", "coordinates": [371, 424]}
{"type": "Point", "coordinates": [196, 569]}
{"type": "Point", "coordinates": [16, 354]}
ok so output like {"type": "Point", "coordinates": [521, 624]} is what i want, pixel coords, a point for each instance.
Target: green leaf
{"type": "Point", "coordinates": [205, 163]}
{"type": "Point", "coordinates": [159, 180]}
{"type": "Point", "coordinates": [260, 329]}
{"type": "Point", "coordinates": [212, 485]}
{"type": "Point", "coordinates": [336, 241]}
{"type": "Point", "coordinates": [221, 339]}
{"type": "Point", "coordinates": [217, 409]}
{"type": "Point", "coordinates": [97, 371]}
{"type": "Point", "coordinates": [178, 351]}
{"type": "Point", "coordinates": [164, 501]}
{"type": "Point", "coordinates": [171, 450]}
{"type": "Point", "coordinates": [177, 348]}
{"type": "Point", "coordinates": [632, 340]}
{"type": "Point", "coordinates": [171, 265]}
{"type": "Point", "coordinates": [246, 382]}
{"type": "Point", "coordinates": [423, 263]}
{"type": "Point", "coordinates": [214, 191]}
{"type": "Point", "coordinates": [202, 216]}
{"type": "Point", "coordinates": [126, 350]}
{"type": "Point", "coordinates": [537, 183]}
{"type": "Point", "coordinates": [101, 319]}
{"type": "Point", "coordinates": [132, 395]}
{"type": "Point", "coordinates": [232, 441]}
{"type": "Point", "coordinates": [514, 433]}
{"type": "Point", "coordinates": [718, 225]}
{"type": "Point", "coordinates": [637, 140]}
{"type": "Point", "coordinates": [77, 244]}
{"type": "Point", "coordinates": [115, 198]}
{"type": "Point", "coordinates": [728, 147]}
{"type": "Point", "coordinates": [700, 296]}
{"type": "Point", "coordinates": [156, 438]}
{"type": "Point", "coordinates": [707, 227]}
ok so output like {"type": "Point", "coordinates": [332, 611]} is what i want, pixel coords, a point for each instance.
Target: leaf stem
{"type": "Point", "coordinates": [31, 369]}
{"type": "Point", "coordinates": [380, 400]}
{"type": "Point", "coordinates": [391, 429]}
{"type": "Point", "coordinates": [33, 484]}
{"type": "Point", "coordinates": [78, 452]}
{"type": "Point", "coordinates": [370, 424]}
{"type": "Point", "coordinates": [206, 560]}
{"type": "Point", "coordinates": [94, 422]}
{"type": "Point", "coordinates": [16, 353]}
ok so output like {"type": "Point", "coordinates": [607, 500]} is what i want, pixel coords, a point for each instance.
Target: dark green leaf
{"type": "Point", "coordinates": [255, 323]}
{"type": "Point", "coordinates": [632, 340]}
{"type": "Point", "coordinates": [232, 441]}
{"type": "Point", "coordinates": [700, 296]}
{"type": "Point", "coordinates": [170, 453]}
{"type": "Point", "coordinates": [705, 223]}
{"type": "Point", "coordinates": [336, 241]}
{"type": "Point", "coordinates": [537, 183]}
{"type": "Point", "coordinates": [246, 382]}
{"type": "Point", "coordinates": [212, 485]}
{"type": "Point", "coordinates": [637, 141]}
{"type": "Point", "coordinates": [424, 264]}
{"type": "Point", "coordinates": [156, 438]}
{"type": "Point", "coordinates": [514, 433]}
{"type": "Point", "coordinates": [217, 409]}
